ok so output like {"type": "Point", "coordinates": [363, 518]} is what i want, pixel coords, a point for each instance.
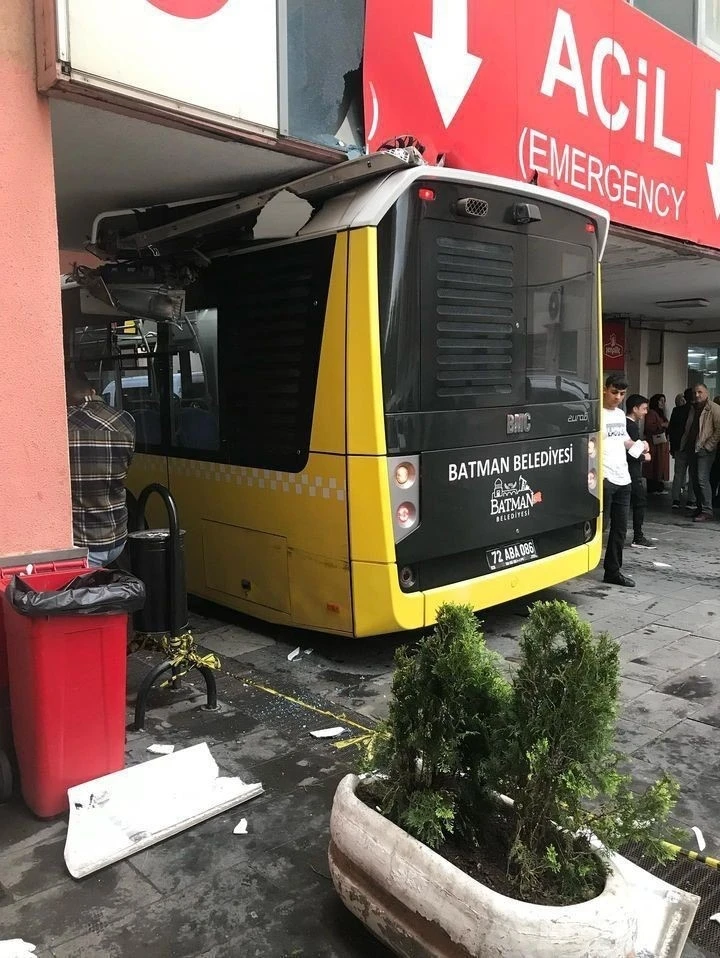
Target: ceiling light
{"type": "Point", "coordinates": [682, 303]}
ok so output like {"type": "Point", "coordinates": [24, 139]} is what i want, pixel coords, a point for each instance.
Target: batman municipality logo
{"type": "Point", "coordinates": [513, 500]}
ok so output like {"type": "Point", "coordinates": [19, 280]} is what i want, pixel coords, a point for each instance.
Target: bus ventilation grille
{"type": "Point", "coordinates": [474, 320]}
{"type": "Point", "coordinates": [471, 206]}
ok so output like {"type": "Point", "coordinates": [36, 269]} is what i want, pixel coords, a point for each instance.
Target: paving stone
{"type": "Point", "coordinates": [631, 736]}
{"type": "Point", "coordinates": [631, 689]}
{"type": "Point", "coordinates": [689, 751]}
{"type": "Point", "coordinates": [371, 699]}
{"type": "Point", "coordinates": [233, 641]}
{"type": "Point", "coordinates": [620, 624]}
{"type": "Point", "coordinates": [702, 619]}
{"type": "Point", "coordinates": [35, 863]}
{"type": "Point", "coordinates": [236, 909]}
{"type": "Point", "coordinates": [505, 644]}
{"type": "Point", "coordinates": [699, 684]}
{"type": "Point", "coordinates": [665, 605]}
{"type": "Point", "coordinates": [72, 908]}
{"type": "Point", "coordinates": [637, 650]}
{"type": "Point", "coordinates": [656, 635]}
{"type": "Point", "coordinates": [641, 671]}
{"type": "Point", "coordinates": [657, 710]}
{"type": "Point", "coordinates": [274, 821]}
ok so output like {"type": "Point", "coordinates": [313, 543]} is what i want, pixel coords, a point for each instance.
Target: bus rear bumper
{"type": "Point", "coordinates": [381, 607]}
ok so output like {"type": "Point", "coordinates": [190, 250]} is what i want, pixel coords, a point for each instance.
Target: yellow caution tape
{"type": "Point", "coordinates": [693, 856]}
{"type": "Point", "coordinates": [296, 701]}
{"type": "Point", "coordinates": [180, 651]}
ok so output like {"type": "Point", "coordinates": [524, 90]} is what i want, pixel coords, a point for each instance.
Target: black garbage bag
{"type": "Point", "coordinates": [99, 592]}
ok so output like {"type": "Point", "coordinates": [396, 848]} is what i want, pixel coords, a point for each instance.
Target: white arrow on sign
{"type": "Point", "coordinates": [713, 169]}
{"type": "Point", "coordinates": [451, 69]}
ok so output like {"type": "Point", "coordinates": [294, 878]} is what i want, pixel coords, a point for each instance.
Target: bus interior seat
{"type": "Point", "coordinates": [198, 429]}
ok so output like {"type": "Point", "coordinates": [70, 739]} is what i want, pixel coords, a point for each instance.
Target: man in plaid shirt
{"type": "Point", "coordinates": [102, 442]}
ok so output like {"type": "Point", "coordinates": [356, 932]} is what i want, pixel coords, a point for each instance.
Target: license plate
{"type": "Point", "coordinates": [503, 557]}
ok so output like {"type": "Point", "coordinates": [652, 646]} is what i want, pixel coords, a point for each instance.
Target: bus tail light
{"type": "Point", "coordinates": [406, 515]}
{"type": "Point", "coordinates": [592, 466]}
{"type": "Point", "coordinates": [404, 475]}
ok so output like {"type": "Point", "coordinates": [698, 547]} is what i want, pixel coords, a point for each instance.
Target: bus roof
{"type": "Point", "coordinates": [352, 194]}
{"type": "Point", "coordinates": [366, 205]}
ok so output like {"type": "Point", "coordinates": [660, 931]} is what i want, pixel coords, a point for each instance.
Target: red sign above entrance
{"type": "Point", "coordinates": [596, 100]}
{"type": "Point", "coordinates": [613, 334]}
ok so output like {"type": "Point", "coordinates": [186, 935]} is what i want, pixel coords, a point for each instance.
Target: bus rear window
{"type": "Point", "coordinates": [561, 331]}
{"type": "Point", "coordinates": [485, 313]}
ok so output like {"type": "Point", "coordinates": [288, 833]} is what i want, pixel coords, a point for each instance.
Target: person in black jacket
{"type": "Point", "coordinates": [637, 407]}
{"type": "Point", "coordinates": [676, 432]}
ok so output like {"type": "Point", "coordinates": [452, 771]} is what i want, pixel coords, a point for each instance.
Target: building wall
{"type": "Point", "coordinates": [34, 482]}
{"type": "Point", "coordinates": [668, 377]}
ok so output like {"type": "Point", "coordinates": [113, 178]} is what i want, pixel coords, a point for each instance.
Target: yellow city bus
{"type": "Point", "coordinates": [392, 405]}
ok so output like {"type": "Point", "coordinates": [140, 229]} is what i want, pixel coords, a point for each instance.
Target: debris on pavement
{"type": "Point", "coordinates": [700, 837]}
{"type": "Point", "coordinates": [295, 654]}
{"type": "Point", "coordinates": [158, 749]}
{"type": "Point", "coordinates": [16, 948]}
{"type": "Point", "coordinates": [125, 812]}
{"type": "Point", "coordinates": [241, 827]}
{"type": "Point", "coordinates": [329, 732]}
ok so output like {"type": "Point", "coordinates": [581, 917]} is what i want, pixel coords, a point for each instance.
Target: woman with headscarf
{"type": "Point", "coordinates": [657, 471]}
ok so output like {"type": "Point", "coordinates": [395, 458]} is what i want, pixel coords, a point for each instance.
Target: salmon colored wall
{"type": "Point", "coordinates": [34, 478]}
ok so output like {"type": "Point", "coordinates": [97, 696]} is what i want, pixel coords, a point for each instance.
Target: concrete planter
{"type": "Point", "coordinates": [422, 906]}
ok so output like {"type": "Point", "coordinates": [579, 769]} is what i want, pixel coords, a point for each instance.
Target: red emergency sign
{"type": "Point", "coordinates": [596, 100]}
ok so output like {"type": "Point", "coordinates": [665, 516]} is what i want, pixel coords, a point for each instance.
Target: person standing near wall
{"type": "Point", "coordinates": [637, 409]}
{"type": "Point", "coordinates": [102, 443]}
{"type": "Point", "coordinates": [702, 437]}
{"type": "Point", "coordinates": [678, 450]}
{"type": "Point", "coordinates": [657, 469]}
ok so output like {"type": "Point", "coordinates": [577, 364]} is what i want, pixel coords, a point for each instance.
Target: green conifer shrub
{"type": "Point", "coordinates": [458, 733]}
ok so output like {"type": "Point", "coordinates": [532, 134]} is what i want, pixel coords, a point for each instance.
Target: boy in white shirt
{"type": "Point", "coordinates": [617, 484]}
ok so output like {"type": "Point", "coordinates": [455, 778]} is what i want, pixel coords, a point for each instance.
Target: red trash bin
{"type": "Point", "coordinates": [6, 575]}
{"type": "Point", "coordinates": [67, 697]}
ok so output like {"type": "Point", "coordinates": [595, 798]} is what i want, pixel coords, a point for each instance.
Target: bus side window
{"type": "Point", "coordinates": [136, 361]}
{"type": "Point", "coordinates": [194, 405]}
{"type": "Point", "coordinates": [271, 307]}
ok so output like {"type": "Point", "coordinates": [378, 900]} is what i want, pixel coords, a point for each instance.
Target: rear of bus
{"type": "Point", "coordinates": [489, 350]}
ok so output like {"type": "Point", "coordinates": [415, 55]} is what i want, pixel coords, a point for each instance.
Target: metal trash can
{"type": "Point", "coordinates": [150, 562]}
